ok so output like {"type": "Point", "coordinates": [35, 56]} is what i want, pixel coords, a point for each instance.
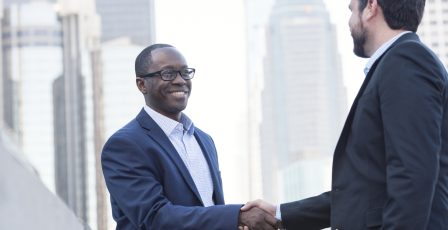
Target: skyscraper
{"type": "Point", "coordinates": [303, 99]}
{"type": "Point", "coordinates": [74, 109]}
{"type": "Point", "coordinates": [32, 58]}
{"type": "Point", "coordinates": [120, 18]}
{"type": "Point", "coordinates": [119, 86]}
{"type": "Point", "coordinates": [434, 28]}
{"type": "Point", "coordinates": [2, 94]}
{"type": "Point", "coordinates": [257, 13]}
{"type": "Point", "coordinates": [69, 122]}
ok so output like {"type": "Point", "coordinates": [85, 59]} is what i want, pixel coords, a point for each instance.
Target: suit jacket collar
{"type": "Point", "coordinates": [382, 49]}
{"type": "Point", "coordinates": [158, 136]}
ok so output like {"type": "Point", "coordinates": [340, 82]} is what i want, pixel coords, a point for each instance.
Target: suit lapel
{"type": "Point", "coordinates": [340, 147]}
{"type": "Point", "coordinates": [205, 145]}
{"type": "Point", "coordinates": [348, 122]}
{"type": "Point", "coordinates": [158, 136]}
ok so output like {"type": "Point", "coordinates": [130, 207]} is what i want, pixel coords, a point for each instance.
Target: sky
{"type": "Point", "coordinates": [200, 27]}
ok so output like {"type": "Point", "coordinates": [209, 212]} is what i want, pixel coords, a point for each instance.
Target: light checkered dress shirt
{"type": "Point", "coordinates": [182, 137]}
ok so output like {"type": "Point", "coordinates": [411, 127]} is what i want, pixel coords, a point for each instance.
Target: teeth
{"type": "Point", "coordinates": [178, 93]}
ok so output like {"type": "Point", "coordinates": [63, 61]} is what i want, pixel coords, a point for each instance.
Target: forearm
{"type": "Point", "coordinates": [311, 213]}
{"type": "Point", "coordinates": [218, 217]}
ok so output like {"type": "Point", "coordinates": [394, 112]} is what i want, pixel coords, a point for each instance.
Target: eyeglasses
{"type": "Point", "coordinates": [169, 75]}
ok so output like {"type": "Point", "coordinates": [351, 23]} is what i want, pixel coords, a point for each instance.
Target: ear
{"type": "Point", "coordinates": [371, 10]}
{"type": "Point", "coordinates": [141, 85]}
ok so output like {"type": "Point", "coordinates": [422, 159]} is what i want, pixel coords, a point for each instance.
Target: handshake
{"type": "Point", "coordinates": [258, 214]}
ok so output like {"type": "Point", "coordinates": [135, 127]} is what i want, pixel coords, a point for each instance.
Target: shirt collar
{"type": "Point", "coordinates": [381, 50]}
{"type": "Point", "coordinates": [169, 125]}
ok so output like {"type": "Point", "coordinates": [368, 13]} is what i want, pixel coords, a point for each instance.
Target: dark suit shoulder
{"type": "Point", "coordinates": [414, 50]}
{"type": "Point", "coordinates": [409, 47]}
{"type": "Point", "coordinates": [128, 132]}
{"type": "Point", "coordinates": [413, 58]}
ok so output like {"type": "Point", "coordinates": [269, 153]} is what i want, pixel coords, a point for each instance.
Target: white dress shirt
{"type": "Point", "coordinates": [182, 137]}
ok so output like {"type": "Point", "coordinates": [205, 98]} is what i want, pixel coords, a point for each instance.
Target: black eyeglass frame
{"type": "Point", "coordinates": [160, 72]}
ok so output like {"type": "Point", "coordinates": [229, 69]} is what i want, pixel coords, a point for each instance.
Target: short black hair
{"type": "Point", "coordinates": [400, 14]}
{"type": "Point", "coordinates": [144, 59]}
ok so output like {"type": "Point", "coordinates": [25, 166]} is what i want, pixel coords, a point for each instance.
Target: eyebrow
{"type": "Point", "coordinates": [170, 67]}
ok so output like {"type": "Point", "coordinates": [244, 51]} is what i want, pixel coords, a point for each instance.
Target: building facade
{"type": "Point", "coordinates": [119, 18]}
{"type": "Point", "coordinates": [76, 105]}
{"type": "Point", "coordinates": [303, 99]}
{"type": "Point", "coordinates": [433, 29]}
{"type": "Point", "coordinates": [32, 58]}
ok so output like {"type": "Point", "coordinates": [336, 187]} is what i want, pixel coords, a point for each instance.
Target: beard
{"type": "Point", "coordinates": [359, 40]}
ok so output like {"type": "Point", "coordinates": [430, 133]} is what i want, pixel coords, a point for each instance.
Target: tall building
{"type": "Point", "coordinates": [76, 122]}
{"type": "Point", "coordinates": [69, 122]}
{"type": "Point", "coordinates": [2, 94]}
{"type": "Point", "coordinates": [32, 58]}
{"type": "Point", "coordinates": [303, 99]}
{"type": "Point", "coordinates": [119, 18]}
{"type": "Point", "coordinates": [433, 29]}
{"type": "Point", "coordinates": [257, 14]}
{"type": "Point", "coordinates": [7, 3]}
{"type": "Point", "coordinates": [119, 86]}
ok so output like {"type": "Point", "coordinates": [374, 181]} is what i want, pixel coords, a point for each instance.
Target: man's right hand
{"type": "Point", "coordinates": [271, 209]}
{"type": "Point", "coordinates": [256, 218]}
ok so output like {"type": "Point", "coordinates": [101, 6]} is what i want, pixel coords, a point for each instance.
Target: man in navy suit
{"type": "Point", "coordinates": [161, 171]}
{"type": "Point", "coordinates": [390, 166]}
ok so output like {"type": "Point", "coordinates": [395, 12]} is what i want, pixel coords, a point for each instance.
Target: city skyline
{"type": "Point", "coordinates": [225, 101]}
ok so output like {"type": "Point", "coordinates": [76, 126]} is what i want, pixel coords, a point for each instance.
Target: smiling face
{"type": "Point", "coordinates": [357, 29]}
{"type": "Point", "coordinates": [166, 97]}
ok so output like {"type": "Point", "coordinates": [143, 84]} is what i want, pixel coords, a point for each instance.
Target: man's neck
{"type": "Point", "coordinates": [379, 38]}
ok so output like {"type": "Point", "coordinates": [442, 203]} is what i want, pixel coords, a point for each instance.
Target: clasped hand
{"type": "Point", "coordinates": [258, 214]}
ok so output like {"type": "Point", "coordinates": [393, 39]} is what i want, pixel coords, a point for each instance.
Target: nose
{"type": "Point", "coordinates": [178, 79]}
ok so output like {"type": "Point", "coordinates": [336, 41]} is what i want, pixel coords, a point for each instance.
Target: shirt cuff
{"type": "Point", "coordinates": [278, 214]}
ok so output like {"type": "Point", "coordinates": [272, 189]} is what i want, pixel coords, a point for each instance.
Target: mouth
{"type": "Point", "coordinates": [180, 93]}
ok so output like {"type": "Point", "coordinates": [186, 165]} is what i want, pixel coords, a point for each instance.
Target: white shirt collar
{"type": "Point", "coordinates": [169, 125]}
{"type": "Point", "coordinates": [381, 50]}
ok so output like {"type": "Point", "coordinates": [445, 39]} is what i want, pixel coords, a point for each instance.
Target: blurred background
{"type": "Point", "coordinates": [274, 82]}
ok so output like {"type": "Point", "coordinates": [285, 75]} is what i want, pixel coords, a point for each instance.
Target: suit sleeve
{"type": "Point", "coordinates": [138, 193]}
{"type": "Point", "coordinates": [410, 91]}
{"type": "Point", "coordinates": [311, 213]}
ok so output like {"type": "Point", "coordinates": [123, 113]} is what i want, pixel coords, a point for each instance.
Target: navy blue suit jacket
{"type": "Point", "coordinates": [151, 188]}
{"type": "Point", "coordinates": [390, 166]}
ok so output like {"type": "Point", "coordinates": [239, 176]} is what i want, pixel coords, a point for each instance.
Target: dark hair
{"type": "Point", "coordinates": [400, 14]}
{"type": "Point", "coordinates": [144, 59]}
